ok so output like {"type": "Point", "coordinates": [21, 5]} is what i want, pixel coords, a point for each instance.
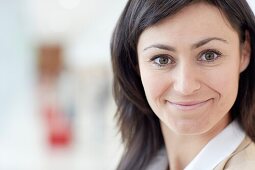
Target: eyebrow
{"type": "Point", "coordinates": [194, 46]}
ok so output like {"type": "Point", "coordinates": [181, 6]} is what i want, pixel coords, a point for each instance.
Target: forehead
{"type": "Point", "coordinates": [192, 23]}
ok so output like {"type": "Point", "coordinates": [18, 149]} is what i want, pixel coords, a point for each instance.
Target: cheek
{"type": "Point", "coordinates": [225, 84]}
{"type": "Point", "coordinates": [154, 86]}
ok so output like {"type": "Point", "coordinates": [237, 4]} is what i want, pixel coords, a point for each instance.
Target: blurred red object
{"type": "Point", "coordinates": [59, 127]}
{"type": "Point", "coordinates": [50, 67]}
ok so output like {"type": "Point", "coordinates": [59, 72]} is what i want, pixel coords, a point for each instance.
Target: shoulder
{"type": "Point", "coordinates": [243, 158]}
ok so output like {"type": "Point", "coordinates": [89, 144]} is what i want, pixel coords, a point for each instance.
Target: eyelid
{"type": "Point", "coordinates": [217, 52]}
{"type": "Point", "coordinates": [152, 59]}
{"type": "Point", "coordinates": [161, 55]}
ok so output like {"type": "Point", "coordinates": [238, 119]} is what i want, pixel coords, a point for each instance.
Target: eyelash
{"type": "Point", "coordinates": [171, 61]}
{"type": "Point", "coordinates": [162, 56]}
{"type": "Point", "coordinates": [215, 52]}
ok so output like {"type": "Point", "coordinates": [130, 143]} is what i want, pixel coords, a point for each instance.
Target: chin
{"type": "Point", "coordinates": [190, 127]}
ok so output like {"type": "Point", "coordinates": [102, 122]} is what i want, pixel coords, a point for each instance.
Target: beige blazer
{"type": "Point", "coordinates": [242, 159]}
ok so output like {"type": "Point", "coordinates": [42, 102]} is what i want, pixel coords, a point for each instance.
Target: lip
{"type": "Point", "coordinates": [190, 105]}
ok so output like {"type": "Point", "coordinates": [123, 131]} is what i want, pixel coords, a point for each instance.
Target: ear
{"type": "Point", "coordinates": [245, 52]}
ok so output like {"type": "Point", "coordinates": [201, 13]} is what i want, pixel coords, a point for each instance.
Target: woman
{"type": "Point", "coordinates": [184, 84]}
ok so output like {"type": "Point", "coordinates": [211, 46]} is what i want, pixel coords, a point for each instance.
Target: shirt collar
{"type": "Point", "coordinates": [219, 148]}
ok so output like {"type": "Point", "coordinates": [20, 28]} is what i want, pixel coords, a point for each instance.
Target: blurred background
{"type": "Point", "coordinates": [56, 105]}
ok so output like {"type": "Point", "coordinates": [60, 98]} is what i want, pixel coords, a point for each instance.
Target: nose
{"type": "Point", "coordinates": [186, 79]}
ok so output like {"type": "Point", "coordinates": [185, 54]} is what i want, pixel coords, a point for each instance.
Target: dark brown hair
{"type": "Point", "coordinates": [139, 127]}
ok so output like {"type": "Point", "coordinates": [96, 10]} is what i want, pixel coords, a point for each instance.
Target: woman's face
{"type": "Point", "coordinates": [189, 65]}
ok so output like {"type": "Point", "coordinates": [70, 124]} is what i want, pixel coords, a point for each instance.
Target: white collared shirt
{"type": "Point", "coordinates": [219, 148]}
{"type": "Point", "coordinates": [215, 151]}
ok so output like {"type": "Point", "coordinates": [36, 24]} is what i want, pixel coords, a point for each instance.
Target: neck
{"type": "Point", "coordinates": [182, 149]}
